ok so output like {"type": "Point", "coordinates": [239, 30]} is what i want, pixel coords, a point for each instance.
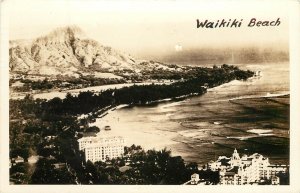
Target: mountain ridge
{"type": "Point", "coordinates": [67, 51]}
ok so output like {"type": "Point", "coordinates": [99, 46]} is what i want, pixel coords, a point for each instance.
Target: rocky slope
{"type": "Point", "coordinates": [67, 52]}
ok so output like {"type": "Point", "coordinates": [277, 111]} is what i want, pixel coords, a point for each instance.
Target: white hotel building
{"type": "Point", "coordinates": [101, 148]}
{"type": "Point", "coordinates": [251, 169]}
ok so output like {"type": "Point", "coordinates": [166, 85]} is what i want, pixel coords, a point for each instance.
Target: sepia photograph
{"type": "Point", "coordinates": [147, 93]}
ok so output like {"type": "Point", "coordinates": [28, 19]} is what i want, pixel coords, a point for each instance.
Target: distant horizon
{"type": "Point", "coordinates": [200, 55]}
{"type": "Point", "coordinates": [151, 29]}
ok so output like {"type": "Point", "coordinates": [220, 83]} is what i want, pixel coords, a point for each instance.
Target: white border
{"type": "Point", "coordinates": [294, 186]}
{"type": "Point", "coordinates": [294, 18]}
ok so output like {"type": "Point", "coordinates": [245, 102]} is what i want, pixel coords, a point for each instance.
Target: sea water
{"type": "Point", "coordinates": [239, 114]}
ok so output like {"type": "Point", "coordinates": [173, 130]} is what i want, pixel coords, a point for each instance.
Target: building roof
{"type": "Point", "coordinates": [277, 166]}
{"type": "Point", "coordinates": [224, 162]}
{"type": "Point", "coordinates": [103, 143]}
{"type": "Point", "coordinates": [223, 157]}
{"type": "Point", "coordinates": [33, 159]}
{"type": "Point", "coordinates": [234, 169]}
{"type": "Point", "coordinates": [98, 138]}
{"type": "Point", "coordinates": [229, 174]}
{"type": "Point", "coordinates": [124, 168]}
{"type": "Point", "coordinates": [59, 165]}
{"type": "Point", "coordinates": [19, 158]}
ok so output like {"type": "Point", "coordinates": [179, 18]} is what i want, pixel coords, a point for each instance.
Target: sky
{"type": "Point", "coordinates": [144, 28]}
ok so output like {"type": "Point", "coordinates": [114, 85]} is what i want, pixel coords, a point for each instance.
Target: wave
{"type": "Point", "coordinates": [197, 125]}
{"type": "Point", "coordinates": [260, 96]}
{"type": "Point", "coordinates": [266, 134]}
{"type": "Point", "coordinates": [242, 138]}
{"type": "Point", "coordinates": [260, 131]}
{"type": "Point", "coordinates": [191, 133]}
{"type": "Point", "coordinates": [188, 125]}
{"type": "Point", "coordinates": [121, 106]}
{"type": "Point", "coordinates": [164, 108]}
{"type": "Point", "coordinates": [231, 83]}
{"type": "Point", "coordinates": [170, 114]}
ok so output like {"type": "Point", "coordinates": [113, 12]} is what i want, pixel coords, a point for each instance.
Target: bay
{"type": "Point", "coordinates": [252, 116]}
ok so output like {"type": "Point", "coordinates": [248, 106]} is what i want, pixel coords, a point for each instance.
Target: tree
{"type": "Point", "coordinates": [175, 166]}
{"type": "Point", "coordinates": [45, 173]}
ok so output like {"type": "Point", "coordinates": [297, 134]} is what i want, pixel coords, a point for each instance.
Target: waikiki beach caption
{"type": "Point", "coordinates": [234, 23]}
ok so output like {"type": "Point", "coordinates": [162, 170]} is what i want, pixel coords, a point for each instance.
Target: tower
{"type": "Point", "coordinates": [235, 158]}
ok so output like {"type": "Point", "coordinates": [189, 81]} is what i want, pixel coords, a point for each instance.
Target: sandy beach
{"type": "Point", "coordinates": [251, 116]}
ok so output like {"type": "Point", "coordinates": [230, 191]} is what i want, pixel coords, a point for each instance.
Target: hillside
{"type": "Point", "coordinates": [67, 52]}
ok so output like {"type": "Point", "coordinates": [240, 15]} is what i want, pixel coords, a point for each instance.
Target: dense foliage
{"type": "Point", "coordinates": [51, 128]}
{"type": "Point", "coordinates": [63, 83]}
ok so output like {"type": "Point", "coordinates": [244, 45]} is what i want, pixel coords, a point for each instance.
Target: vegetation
{"type": "Point", "coordinates": [63, 83]}
{"type": "Point", "coordinates": [135, 167]}
{"type": "Point", "coordinates": [50, 129]}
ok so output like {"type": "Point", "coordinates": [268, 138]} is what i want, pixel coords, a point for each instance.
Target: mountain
{"type": "Point", "coordinates": [68, 52]}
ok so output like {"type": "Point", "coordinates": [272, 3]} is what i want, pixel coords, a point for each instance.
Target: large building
{"type": "Point", "coordinates": [101, 148]}
{"type": "Point", "coordinates": [251, 169]}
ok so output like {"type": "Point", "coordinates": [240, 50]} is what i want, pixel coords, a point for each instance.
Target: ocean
{"type": "Point", "coordinates": [251, 116]}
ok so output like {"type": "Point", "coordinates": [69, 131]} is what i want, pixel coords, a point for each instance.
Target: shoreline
{"type": "Point", "coordinates": [98, 120]}
{"type": "Point", "coordinates": [61, 94]}
{"type": "Point", "coordinates": [167, 100]}
{"type": "Point", "coordinates": [287, 94]}
{"type": "Point", "coordinates": [156, 138]}
{"type": "Point", "coordinates": [108, 109]}
{"type": "Point", "coordinates": [177, 99]}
